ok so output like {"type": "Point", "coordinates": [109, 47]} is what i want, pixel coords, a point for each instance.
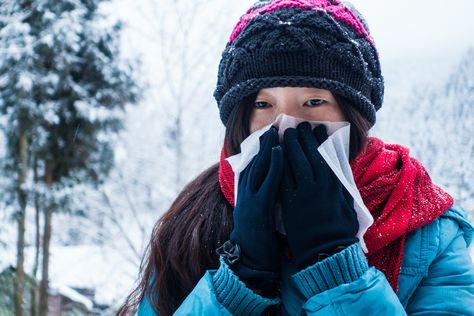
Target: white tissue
{"type": "Point", "coordinates": [335, 151]}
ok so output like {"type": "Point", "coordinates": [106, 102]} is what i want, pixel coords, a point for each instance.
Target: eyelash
{"type": "Point", "coordinates": [320, 101]}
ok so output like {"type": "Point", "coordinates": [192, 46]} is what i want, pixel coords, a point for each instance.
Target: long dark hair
{"type": "Point", "coordinates": [183, 241]}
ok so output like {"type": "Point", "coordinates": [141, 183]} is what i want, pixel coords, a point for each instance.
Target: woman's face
{"type": "Point", "coordinates": [310, 104]}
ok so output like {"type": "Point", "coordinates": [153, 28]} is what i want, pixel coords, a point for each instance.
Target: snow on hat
{"type": "Point", "coordinates": [323, 44]}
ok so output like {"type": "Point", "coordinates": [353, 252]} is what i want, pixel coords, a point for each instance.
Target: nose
{"type": "Point", "coordinates": [288, 108]}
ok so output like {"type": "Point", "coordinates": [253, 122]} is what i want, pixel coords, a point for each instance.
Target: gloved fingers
{"type": "Point", "coordinates": [288, 180]}
{"type": "Point", "coordinates": [349, 201]}
{"type": "Point", "coordinates": [310, 145]}
{"type": "Point", "coordinates": [272, 181]}
{"type": "Point", "coordinates": [300, 166]}
{"type": "Point", "coordinates": [244, 175]}
{"type": "Point", "coordinates": [261, 165]}
{"type": "Point", "coordinates": [321, 134]}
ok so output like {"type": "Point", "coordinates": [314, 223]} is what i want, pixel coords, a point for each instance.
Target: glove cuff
{"type": "Point", "coordinates": [232, 255]}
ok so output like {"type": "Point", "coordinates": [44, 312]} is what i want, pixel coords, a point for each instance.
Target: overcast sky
{"type": "Point", "coordinates": [422, 28]}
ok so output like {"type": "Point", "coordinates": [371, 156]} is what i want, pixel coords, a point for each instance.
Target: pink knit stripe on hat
{"type": "Point", "coordinates": [339, 13]}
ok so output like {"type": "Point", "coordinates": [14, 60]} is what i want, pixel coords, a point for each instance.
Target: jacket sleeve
{"type": "Point", "coordinates": [344, 284]}
{"type": "Point", "coordinates": [219, 292]}
{"type": "Point", "coordinates": [448, 288]}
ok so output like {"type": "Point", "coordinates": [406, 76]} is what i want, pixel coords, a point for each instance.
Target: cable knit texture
{"type": "Point", "coordinates": [343, 267]}
{"type": "Point", "coordinates": [235, 296]}
{"type": "Point", "coordinates": [301, 43]}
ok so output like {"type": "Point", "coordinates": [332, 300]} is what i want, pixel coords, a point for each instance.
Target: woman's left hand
{"type": "Point", "coordinates": [317, 210]}
{"type": "Point", "coordinates": [254, 224]}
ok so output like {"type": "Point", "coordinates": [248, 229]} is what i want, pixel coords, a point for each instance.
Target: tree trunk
{"type": "Point", "coordinates": [34, 288]}
{"type": "Point", "coordinates": [22, 200]}
{"type": "Point", "coordinates": [43, 304]}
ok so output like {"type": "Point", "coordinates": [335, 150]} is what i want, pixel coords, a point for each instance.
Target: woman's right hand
{"type": "Point", "coordinates": [317, 210]}
{"type": "Point", "coordinates": [254, 224]}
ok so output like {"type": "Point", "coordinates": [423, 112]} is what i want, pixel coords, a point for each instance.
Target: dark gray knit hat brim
{"type": "Point", "coordinates": [237, 93]}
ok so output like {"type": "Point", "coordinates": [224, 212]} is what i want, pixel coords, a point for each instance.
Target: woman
{"type": "Point", "coordinates": [314, 60]}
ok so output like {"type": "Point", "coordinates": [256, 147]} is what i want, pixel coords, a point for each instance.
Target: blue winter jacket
{"type": "Point", "coordinates": [436, 278]}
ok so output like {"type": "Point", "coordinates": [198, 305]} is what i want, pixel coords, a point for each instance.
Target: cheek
{"type": "Point", "coordinates": [339, 116]}
{"type": "Point", "coordinates": [330, 116]}
{"type": "Point", "coordinates": [259, 119]}
{"type": "Point", "coordinates": [327, 113]}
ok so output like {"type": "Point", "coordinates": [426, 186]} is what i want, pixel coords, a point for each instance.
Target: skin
{"type": "Point", "coordinates": [310, 104]}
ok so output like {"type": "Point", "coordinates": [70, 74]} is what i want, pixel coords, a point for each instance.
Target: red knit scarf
{"type": "Point", "coordinates": [398, 192]}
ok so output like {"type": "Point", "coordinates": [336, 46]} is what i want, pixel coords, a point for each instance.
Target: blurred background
{"type": "Point", "coordinates": [106, 112]}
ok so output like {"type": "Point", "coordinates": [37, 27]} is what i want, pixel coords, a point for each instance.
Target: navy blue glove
{"type": "Point", "coordinates": [254, 225]}
{"type": "Point", "coordinates": [317, 210]}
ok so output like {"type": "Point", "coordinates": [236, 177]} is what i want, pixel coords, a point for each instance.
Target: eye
{"type": "Point", "coordinates": [261, 104]}
{"type": "Point", "coordinates": [315, 102]}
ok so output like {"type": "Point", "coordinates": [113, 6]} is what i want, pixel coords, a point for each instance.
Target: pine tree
{"type": "Point", "coordinates": [440, 131]}
{"type": "Point", "coordinates": [64, 88]}
{"type": "Point", "coordinates": [15, 101]}
{"type": "Point", "coordinates": [457, 119]}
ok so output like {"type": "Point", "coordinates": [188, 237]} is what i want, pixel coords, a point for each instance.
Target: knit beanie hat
{"type": "Point", "coordinates": [323, 44]}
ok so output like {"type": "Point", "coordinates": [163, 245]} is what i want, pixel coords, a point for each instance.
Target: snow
{"type": "Point", "coordinates": [71, 294]}
{"type": "Point", "coordinates": [50, 115]}
{"type": "Point", "coordinates": [48, 39]}
{"type": "Point", "coordinates": [85, 266]}
{"type": "Point", "coordinates": [95, 113]}
{"type": "Point", "coordinates": [90, 266]}
{"type": "Point", "coordinates": [25, 81]}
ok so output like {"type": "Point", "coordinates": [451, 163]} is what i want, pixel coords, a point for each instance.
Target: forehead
{"type": "Point", "coordinates": [293, 90]}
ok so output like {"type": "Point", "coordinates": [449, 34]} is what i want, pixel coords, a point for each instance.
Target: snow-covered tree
{"type": "Point", "coordinates": [16, 80]}
{"type": "Point", "coordinates": [63, 90]}
{"type": "Point", "coordinates": [438, 126]}
{"type": "Point", "coordinates": [456, 119]}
